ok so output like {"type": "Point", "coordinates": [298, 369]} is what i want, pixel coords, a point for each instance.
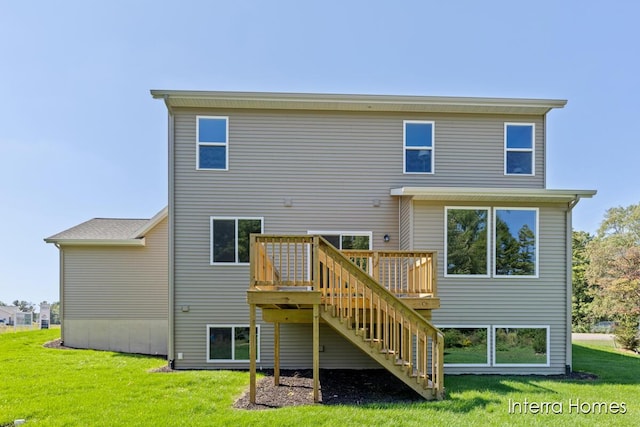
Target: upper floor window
{"type": "Point", "coordinates": [418, 146]}
{"type": "Point", "coordinates": [516, 242]}
{"type": "Point", "coordinates": [212, 136]}
{"type": "Point", "coordinates": [519, 148]}
{"type": "Point", "coordinates": [230, 239]}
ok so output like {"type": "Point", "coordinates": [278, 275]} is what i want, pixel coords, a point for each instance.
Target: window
{"type": "Point", "coordinates": [521, 345]}
{"type": "Point", "coordinates": [212, 142]}
{"type": "Point", "coordinates": [230, 239]}
{"type": "Point", "coordinates": [229, 343]}
{"type": "Point", "coordinates": [519, 148]}
{"type": "Point", "coordinates": [467, 241]}
{"type": "Point", "coordinates": [418, 146]}
{"type": "Point", "coordinates": [466, 346]}
{"type": "Point", "coordinates": [516, 242]}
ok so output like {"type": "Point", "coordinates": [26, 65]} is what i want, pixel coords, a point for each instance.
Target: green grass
{"type": "Point", "coordinates": [52, 387]}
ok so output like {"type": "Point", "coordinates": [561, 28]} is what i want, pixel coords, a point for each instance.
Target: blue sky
{"type": "Point", "coordinates": [80, 136]}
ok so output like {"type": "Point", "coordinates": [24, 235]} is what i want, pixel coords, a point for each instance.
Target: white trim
{"type": "Point", "coordinates": [157, 218]}
{"type": "Point", "coordinates": [446, 240]}
{"type": "Point", "coordinates": [459, 194]}
{"type": "Point", "coordinates": [531, 150]}
{"type": "Point", "coordinates": [495, 239]}
{"type": "Point", "coordinates": [489, 346]}
{"type": "Point", "coordinates": [212, 144]}
{"type": "Point", "coordinates": [233, 349]}
{"type": "Point", "coordinates": [236, 219]}
{"type": "Point", "coordinates": [522, 365]}
{"type": "Point", "coordinates": [417, 148]}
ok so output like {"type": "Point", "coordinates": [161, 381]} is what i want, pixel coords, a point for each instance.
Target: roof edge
{"type": "Point", "coordinates": [97, 242]}
{"type": "Point", "coordinates": [157, 218]}
{"type": "Point", "coordinates": [192, 98]}
{"type": "Point", "coordinates": [473, 193]}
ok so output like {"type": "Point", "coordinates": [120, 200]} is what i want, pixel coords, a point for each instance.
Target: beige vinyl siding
{"type": "Point", "coordinates": [115, 296]}
{"type": "Point", "coordinates": [503, 301]}
{"type": "Point", "coordinates": [332, 166]}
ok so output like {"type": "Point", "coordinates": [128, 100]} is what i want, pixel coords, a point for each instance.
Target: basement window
{"type": "Point", "coordinates": [521, 345]}
{"type": "Point", "coordinates": [230, 343]}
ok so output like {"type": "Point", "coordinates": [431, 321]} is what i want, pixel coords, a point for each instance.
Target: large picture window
{"type": "Point", "coordinates": [230, 239]}
{"type": "Point", "coordinates": [516, 242]}
{"type": "Point", "coordinates": [519, 148]}
{"type": "Point", "coordinates": [466, 346]}
{"type": "Point", "coordinates": [229, 343]}
{"type": "Point", "coordinates": [467, 241]}
{"type": "Point", "coordinates": [212, 142]}
{"type": "Point", "coordinates": [521, 345]}
{"type": "Point", "coordinates": [418, 146]}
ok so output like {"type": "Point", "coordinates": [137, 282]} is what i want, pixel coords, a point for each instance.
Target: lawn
{"type": "Point", "coordinates": [54, 387]}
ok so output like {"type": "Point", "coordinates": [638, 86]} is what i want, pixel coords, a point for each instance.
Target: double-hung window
{"type": "Point", "coordinates": [418, 146]}
{"type": "Point", "coordinates": [230, 239]}
{"type": "Point", "coordinates": [519, 154]}
{"type": "Point", "coordinates": [212, 137]}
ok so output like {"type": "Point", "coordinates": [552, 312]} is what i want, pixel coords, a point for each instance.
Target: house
{"type": "Point", "coordinates": [462, 177]}
{"type": "Point", "coordinates": [113, 284]}
{"type": "Point", "coordinates": [342, 231]}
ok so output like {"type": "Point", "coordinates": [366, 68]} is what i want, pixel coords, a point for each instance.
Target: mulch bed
{"type": "Point", "coordinates": [337, 387]}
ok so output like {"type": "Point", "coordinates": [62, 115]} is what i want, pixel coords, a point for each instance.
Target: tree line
{"type": "Point", "coordinates": [606, 275]}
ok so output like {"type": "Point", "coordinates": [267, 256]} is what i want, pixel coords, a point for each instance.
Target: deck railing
{"type": "Point", "coordinates": [286, 261]}
{"type": "Point", "coordinates": [353, 299]}
{"type": "Point", "coordinates": [404, 273]}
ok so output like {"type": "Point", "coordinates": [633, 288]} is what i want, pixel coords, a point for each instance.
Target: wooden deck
{"type": "Point", "coordinates": [381, 301]}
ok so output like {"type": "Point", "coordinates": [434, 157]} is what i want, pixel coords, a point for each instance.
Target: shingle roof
{"type": "Point", "coordinates": [102, 229]}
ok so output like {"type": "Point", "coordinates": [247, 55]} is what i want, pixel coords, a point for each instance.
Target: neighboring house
{"type": "Point", "coordinates": [113, 284]}
{"type": "Point", "coordinates": [8, 314]}
{"type": "Point", "coordinates": [465, 177]}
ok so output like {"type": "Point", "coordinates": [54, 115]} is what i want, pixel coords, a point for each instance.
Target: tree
{"type": "Point", "coordinates": [615, 268]}
{"type": "Point", "coordinates": [582, 297]}
{"type": "Point", "coordinates": [55, 313]}
{"type": "Point", "coordinates": [25, 306]}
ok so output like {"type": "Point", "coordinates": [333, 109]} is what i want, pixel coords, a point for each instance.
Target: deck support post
{"type": "Point", "coordinates": [276, 353]}
{"type": "Point", "coordinates": [316, 352]}
{"type": "Point", "coordinates": [252, 353]}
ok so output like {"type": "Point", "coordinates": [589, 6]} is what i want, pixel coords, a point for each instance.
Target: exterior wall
{"type": "Point", "coordinates": [115, 298]}
{"type": "Point", "coordinates": [332, 166]}
{"type": "Point", "coordinates": [503, 301]}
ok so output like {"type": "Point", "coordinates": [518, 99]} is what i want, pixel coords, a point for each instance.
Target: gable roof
{"type": "Point", "coordinates": [339, 102]}
{"type": "Point", "coordinates": [108, 231]}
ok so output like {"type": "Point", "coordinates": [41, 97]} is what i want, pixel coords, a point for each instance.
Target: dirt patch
{"type": "Point", "coordinates": [57, 343]}
{"type": "Point", "coordinates": [337, 387]}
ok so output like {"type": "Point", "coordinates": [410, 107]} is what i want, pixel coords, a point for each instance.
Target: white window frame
{"type": "Point", "coordinates": [212, 144]}
{"type": "Point", "coordinates": [489, 345]}
{"type": "Point", "coordinates": [522, 365]}
{"type": "Point", "coordinates": [336, 233]}
{"type": "Point", "coordinates": [233, 349]}
{"type": "Point", "coordinates": [236, 218]}
{"type": "Point", "coordinates": [531, 150]}
{"type": "Point", "coordinates": [405, 148]}
{"type": "Point", "coordinates": [489, 238]}
{"type": "Point", "coordinates": [495, 239]}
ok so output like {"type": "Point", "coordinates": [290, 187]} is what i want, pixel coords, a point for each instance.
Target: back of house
{"type": "Point", "coordinates": [465, 177]}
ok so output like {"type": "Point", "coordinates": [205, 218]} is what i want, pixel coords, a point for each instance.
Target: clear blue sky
{"type": "Point", "coordinates": [80, 136]}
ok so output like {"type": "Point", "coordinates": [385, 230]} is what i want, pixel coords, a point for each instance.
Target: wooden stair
{"type": "Point", "coordinates": [307, 272]}
{"type": "Point", "coordinates": [380, 324]}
